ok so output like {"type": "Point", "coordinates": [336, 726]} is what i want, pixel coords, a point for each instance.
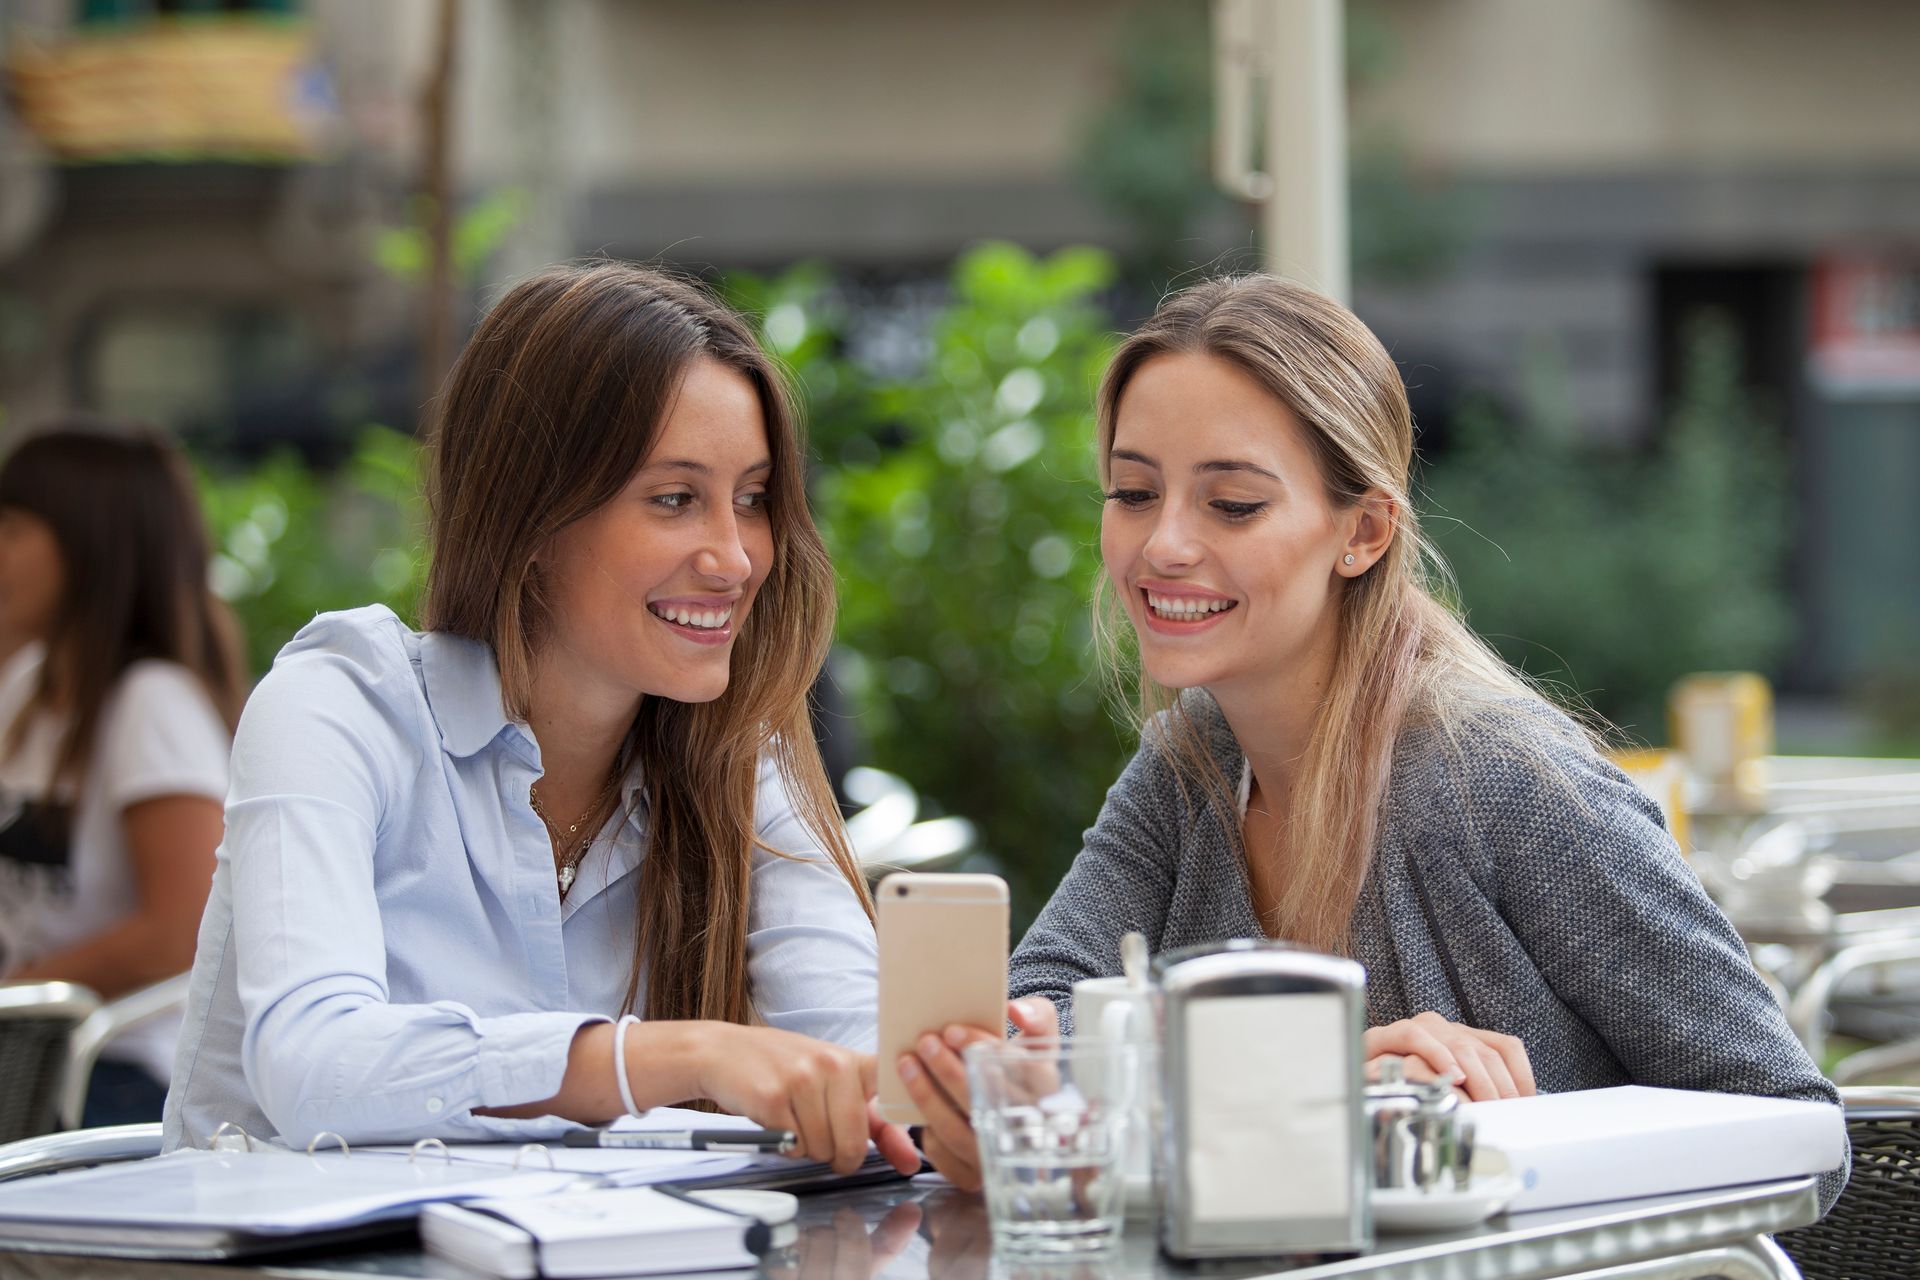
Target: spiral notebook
{"type": "Point", "coordinates": [194, 1204]}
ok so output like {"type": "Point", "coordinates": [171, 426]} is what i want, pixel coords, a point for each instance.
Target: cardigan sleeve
{"type": "Point", "coordinates": [1121, 881]}
{"type": "Point", "coordinates": [1620, 928]}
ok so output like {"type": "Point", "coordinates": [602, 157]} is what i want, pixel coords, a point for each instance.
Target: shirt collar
{"type": "Point", "coordinates": [463, 691]}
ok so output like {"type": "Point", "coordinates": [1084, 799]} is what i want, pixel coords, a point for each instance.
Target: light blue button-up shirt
{"type": "Point", "coordinates": [384, 947]}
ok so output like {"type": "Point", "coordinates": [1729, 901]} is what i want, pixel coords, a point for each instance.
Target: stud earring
{"type": "Point", "coordinates": [1347, 559]}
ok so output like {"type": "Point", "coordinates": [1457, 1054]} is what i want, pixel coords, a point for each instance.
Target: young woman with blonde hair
{"type": "Point", "coordinates": [1329, 756]}
{"type": "Point", "coordinates": [455, 858]}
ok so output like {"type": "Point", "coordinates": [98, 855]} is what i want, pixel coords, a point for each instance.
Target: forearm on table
{"type": "Point", "coordinates": [134, 953]}
{"type": "Point", "coordinates": [663, 1067]}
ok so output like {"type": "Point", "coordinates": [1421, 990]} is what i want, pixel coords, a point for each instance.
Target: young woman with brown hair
{"type": "Point", "coordinates": [455, 857]}
{"type": "Point", "coordinates": [117, 715]}
{"type": "Point", "coordinates": [1329, 755]}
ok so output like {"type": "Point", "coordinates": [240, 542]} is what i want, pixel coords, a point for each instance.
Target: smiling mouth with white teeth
{"type": "Point", "coordinates": [1185, 608]}
{"type": "Point", "coordinates": [700, 619]}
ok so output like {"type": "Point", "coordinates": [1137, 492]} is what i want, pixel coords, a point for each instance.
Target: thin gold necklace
{"type": "Point", "coordinates": [570, 853]}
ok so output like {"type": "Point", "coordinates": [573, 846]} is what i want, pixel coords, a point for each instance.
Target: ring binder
{"type": "Point", "coordinates": [536, 1147]}
{"type": "Point", "coordinates": [241, 1195]}
{"type": "Point", "coordinates": [207, 1203]}
{"type": "Point", "coordinates": [323, 1135]}
{"type": "Point", "coordinates": [224, 1141]}
{"type": "Point", "coordinates": [426, 1146]}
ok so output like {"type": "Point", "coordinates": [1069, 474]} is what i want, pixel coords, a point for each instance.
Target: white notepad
{"type": "Point", "coordinates": [1617, 1144]}
{"type": "Point", "coordinates": [616, 1232]}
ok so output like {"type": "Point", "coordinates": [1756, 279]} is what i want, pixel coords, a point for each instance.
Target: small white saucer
{"type": "Point", "coordinates": [1410, 1209]}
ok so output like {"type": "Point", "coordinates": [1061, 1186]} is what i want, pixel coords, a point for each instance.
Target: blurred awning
{"type": "Point", "coordinates": [238, 89]}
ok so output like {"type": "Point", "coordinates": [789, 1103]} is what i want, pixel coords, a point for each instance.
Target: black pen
{"type": "Point", "coordinates": [746, 1141]}
{"type": "Point", "coordinates": [759, 1237]}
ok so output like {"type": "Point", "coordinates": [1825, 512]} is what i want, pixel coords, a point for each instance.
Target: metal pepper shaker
{"type": "Point", "coordinates": [1422, 1140]}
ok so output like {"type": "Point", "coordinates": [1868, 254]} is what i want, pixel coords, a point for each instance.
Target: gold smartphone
{"type": "Point", "coordinates": [943, 959]}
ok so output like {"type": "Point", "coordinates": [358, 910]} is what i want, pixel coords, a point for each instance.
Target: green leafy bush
{"type": "Point", "coordinates": [1613, 572]}
{"type": "Point", "coordinates": [290, 542]}
{"type": "Point", "coordinates": [963, 517]}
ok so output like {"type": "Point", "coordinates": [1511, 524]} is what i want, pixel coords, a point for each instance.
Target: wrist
{"type": "Point", "coordinates": [667, 1062]}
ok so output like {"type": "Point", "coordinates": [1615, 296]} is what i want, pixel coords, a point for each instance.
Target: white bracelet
{"type": "Point", "coordinates": [620, 1063]}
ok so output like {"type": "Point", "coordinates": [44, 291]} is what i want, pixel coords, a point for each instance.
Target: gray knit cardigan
{"type": "Point", "coordinates": [1520, 884]}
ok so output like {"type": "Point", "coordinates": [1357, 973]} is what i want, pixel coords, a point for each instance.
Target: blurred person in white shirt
{"type": "Point", "coordinates": [116, 716]}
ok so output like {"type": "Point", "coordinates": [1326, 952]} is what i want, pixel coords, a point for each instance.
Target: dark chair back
{"type": "Point", "coordinates": [37, 1020]}
{"type": "Point", "coordinates": [1873, 1230]}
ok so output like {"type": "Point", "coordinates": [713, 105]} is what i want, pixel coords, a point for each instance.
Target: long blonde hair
{"type": "Point", "coordinates": [549, 410]}
{"type": "Point", "coordinates": [1403, 656]}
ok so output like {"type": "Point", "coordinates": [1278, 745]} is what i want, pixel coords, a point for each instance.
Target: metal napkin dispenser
{"type": "Point", "coordinates": [1265, 1140]}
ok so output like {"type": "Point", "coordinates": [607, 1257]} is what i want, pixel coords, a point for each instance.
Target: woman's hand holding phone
{"type": "Point", "coordinates": [936, 1079]}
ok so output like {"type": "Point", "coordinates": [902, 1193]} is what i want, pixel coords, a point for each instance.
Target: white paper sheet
{"type": "Point", "coordinates": [619, 1167]}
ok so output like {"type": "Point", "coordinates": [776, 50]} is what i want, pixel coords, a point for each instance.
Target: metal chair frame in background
{"type": "Point", "coordinates": [102, 1025]}
{"type": "Point", "coordinates": [51, 1034]}
{"type": "Point", "coordinates": [887, 832]}
{"type": "Point", "coordinates": [1824, 886]}
{"type": "Point", "coordinates": [37, 1023]}
{"type": "Point", "coordinates": [1811, 1006]}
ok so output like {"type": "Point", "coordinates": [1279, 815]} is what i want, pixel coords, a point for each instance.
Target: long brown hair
{"type": "Point", "coordinates": [1403, 655]}
{"type": "Point", "coordinates": [549, 411]}
{"type": "Point", "coordinates": [133, 552]}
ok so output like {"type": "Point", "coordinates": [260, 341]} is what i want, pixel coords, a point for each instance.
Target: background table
{"type": "Point", "coordinates": [915, 1232]}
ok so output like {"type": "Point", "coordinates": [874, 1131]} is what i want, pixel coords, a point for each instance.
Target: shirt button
{"type": "Point", "coordinates": [434, 1105]}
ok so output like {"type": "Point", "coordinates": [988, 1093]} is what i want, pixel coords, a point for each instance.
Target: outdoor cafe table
{"type": "Point", "coordinates": [1868, 808]}
{"type": "Point", "coordinates": [903, 1231]}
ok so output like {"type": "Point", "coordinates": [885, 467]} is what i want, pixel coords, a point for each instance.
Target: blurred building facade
{"type": "Point", "coordinates": [208, 284]}
{"type": "Point", "coordinates": [1623, 163]}
{"type": "Point", "coordinates": [1631, 162]}
{"type": "Point", "coordinates": [187, 194]}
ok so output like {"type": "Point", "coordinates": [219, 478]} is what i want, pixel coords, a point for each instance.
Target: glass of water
{"type": "Point", "coordinates": [1053, 1119]}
